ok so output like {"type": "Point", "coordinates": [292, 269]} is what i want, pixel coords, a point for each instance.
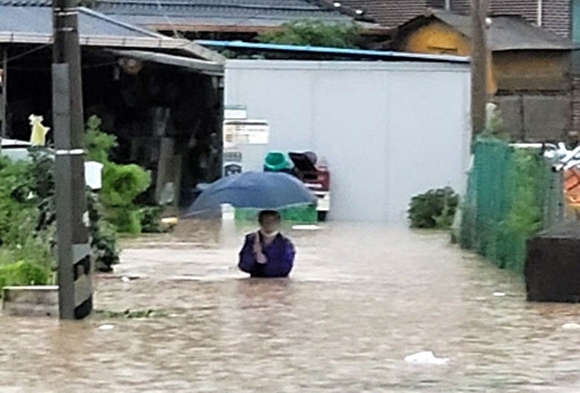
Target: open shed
{"type": "Point", "coordinates": [161, 97]}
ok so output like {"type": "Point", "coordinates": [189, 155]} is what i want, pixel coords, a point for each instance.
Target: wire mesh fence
{"type": "Point", "coordinates": [512, 194]}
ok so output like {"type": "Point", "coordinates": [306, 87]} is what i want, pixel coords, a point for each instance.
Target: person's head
{"type": "Point", "coordinates": [269, 221]}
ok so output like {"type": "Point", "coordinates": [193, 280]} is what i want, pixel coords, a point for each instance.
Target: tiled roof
{"type": "Point", "coordinates": [390, 13]}
{"type": "Point", "coordinates": [183, 13]}
{"type": "Point", "coordinates": [505, 32]}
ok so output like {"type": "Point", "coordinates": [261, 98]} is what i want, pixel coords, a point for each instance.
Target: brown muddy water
{"type": "Point", "coordinates": [361, 298]}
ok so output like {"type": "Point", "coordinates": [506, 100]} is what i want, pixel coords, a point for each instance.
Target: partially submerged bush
{"type": "Point", "coordinates": [121, 185]}
{"type": "Point", "coordinates": [433, 209]}
{"type": "Point", "coordinates": [23, 273]}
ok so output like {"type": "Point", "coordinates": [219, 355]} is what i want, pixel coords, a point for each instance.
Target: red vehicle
{"type": "Point", "coordinates": [315, 176]}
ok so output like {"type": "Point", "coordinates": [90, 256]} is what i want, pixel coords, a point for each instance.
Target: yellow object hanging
{"type": "Point", "coordinates": [38, 133]}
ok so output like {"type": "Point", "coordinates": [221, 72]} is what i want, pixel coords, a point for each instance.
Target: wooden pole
{"type": "Point", "coordinates": [479, 58]}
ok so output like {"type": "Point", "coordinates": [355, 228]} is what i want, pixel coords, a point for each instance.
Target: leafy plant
{"type": "Point", "coordinates": [151, 219]}
{"type": "Point", "coordinates": [121, 184]}
{"type": "Point", "coordinates": [313, 32]}
{"type": "Point", "coordinates": [433, 209]}
{"type": "Point", "coordinates": [98, 143]}
{"type": "Point", "coordinates": [525, 213]}
{"type": "Point", "coordinates": [23, 273]}
{"type": "Point", "coordinates": [103, 235]}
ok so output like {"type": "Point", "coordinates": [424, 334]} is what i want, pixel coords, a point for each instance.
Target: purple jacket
{"type": "Point", "coordinates": [280, 254]}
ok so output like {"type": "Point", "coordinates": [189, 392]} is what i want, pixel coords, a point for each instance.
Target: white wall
{"type": "Point", "coordinates": [387, 130]}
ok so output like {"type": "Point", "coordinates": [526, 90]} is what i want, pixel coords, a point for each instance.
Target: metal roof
{"type": "Point", "coordinates": [504, 34]}
{"type": "Point", "coordinates": [357, 53]}
{"type": "Point", "coordinates": [203, 66]}
{"type": "Point", "coordinates": [191, 14]}
{"type": "Point", "coordinates": [33, 25]}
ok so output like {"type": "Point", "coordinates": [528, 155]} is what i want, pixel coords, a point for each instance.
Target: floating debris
{"type": "Point", "coordinates": [425, 357]}
{"type": "Point", "coordinates": [306, 227]}
{"type": "Point", "coordinates": [571, 326]}
{"type": "Point", "coordinates": [128, 314]}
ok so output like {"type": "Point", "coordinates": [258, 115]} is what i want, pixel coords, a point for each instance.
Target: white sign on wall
{"type": "Point", "coordinates": [235, 112]}
{"type": "Point", "coordinates": [246, 132]}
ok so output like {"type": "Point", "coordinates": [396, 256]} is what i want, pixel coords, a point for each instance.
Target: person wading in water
{"type": "Point", "coordinates": [267, 253]}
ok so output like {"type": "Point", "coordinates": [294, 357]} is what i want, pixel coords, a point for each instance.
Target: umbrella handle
{"type": "Point", "coordinates": [257, 244]}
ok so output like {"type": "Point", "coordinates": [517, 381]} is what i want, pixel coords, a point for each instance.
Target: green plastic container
{"type": "Point", "coordinates": [276, 161]}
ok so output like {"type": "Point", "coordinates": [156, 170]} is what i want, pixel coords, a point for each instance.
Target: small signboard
{"type": "Point", "coordinates": [235, 112]}
{"type": "Point", "coordinates": [246, 132]}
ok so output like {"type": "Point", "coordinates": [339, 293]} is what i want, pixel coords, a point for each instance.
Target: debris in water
{"type": "Point", "coordinates": [169, 220]}
{"type": "Point", "coordinates": [498, 294]}
{"type": "Point", "coordinates": [571, 326]}
{"type": "Point", "coordinates": [106, 327]}
{"type": "Point", "coordinates": [306, 227]}
{"type": "Point", "coordinates": [125, 279]}
{"type": "Point", "coordinates": [425, 357]}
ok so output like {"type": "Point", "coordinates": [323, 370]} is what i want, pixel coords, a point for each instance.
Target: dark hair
{"type": "Point", "coordinates": [268, 213]}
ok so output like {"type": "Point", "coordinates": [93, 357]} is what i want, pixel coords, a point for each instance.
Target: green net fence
{"type": "Point", "coordinates": [511, 195]}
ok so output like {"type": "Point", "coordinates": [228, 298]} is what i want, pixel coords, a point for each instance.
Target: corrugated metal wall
{"type": "Point", "coordinates": [387, 130]}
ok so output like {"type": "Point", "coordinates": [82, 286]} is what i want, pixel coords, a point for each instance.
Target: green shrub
{"type": "Point", "coordinates": [312, 32]}
{"type": "Point", "coordinates": [23, 273]}
{"type": "Point", "coordinates": [433, 209]}
{"type": "Point", "coordinates": [103, 235]}
{"type": "Point", "coordinates": [151, 219]}
{"type": "Point", "coordinates": [98, 143]}
{"type": "Point", "coordinates": [125, 219]}
{"type": "Point", "coordinates": [123, 183]}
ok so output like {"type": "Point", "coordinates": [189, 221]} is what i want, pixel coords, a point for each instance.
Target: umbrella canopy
{"type": "Point", "coordinates": [259, 190]}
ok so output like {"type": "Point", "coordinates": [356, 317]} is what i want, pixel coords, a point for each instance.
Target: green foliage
{"type": "Point", "coordinates": [103, 235]}
{"type": "Point", "coordinates": [311, 32]}
{"type": "Point", "coordinates": [23, 273]}
{"type": "Point", "coordinates": [121, 184]}
{"type": "Point", "coordinates": [433, 209]}
{"type": "Point", "coordinates": [97, 143]}
{"type": "Point", "coordinates": [125, 219]}
{"type": "Point", "coordinates": [151, 219]}
{"type": "Point", "coordinates": [26, 210]}
{"type": "Point", "coordinates": [524, 217]}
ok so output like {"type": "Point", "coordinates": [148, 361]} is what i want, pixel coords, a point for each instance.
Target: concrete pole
{"type": "Point", "coordinates": [74, 253]}
{"type": "Point", "coordinates": [479, 59]}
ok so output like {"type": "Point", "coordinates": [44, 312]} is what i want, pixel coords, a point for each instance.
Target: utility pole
{"type": "Point", "coordinates": [74, 252]}
{"type": "Point", "coordinates": [479, 62]}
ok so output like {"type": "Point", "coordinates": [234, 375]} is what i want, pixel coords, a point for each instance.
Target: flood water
{"type": "Point", "coordinates": [361, 298]}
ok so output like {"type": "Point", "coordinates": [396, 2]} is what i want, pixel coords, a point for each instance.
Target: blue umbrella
{"type": "Point", "coordinates": [259, 190]}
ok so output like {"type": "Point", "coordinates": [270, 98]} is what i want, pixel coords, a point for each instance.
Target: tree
{"type": "Point", "coordinates": [313, 32]}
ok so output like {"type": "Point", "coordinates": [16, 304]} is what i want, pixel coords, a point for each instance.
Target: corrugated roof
{"type": "Point", "coordinates": [505, 32]}
{"type": "Point", "coordinates": [38, 20]}
{"type": "Point", "coordinates": [183, 13]}
{"type": "Point", "coordinates": [204, 66]}
{"type": "Point", "coordinates": [389, 13]}
{"type": "Point", "coordinates": [32, 24]}
{"type": "Point", "coordinates": [355, 53]}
